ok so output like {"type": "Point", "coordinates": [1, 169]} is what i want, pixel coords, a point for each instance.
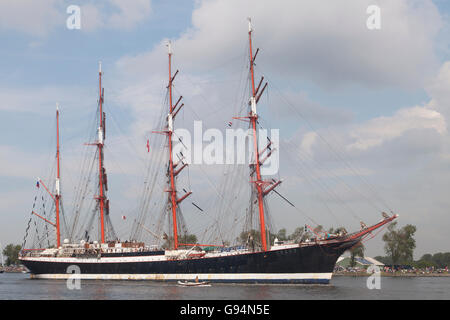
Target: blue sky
{"type": "Point", "coordinates": [380, 92]}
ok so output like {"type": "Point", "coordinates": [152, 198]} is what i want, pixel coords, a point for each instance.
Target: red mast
{"type": "Point", "coordinates": [263, 187]}
{"type": "Point", "coordinates": [173, 191]}
{"type": "Point", "coordinates": [57, 193]}
{"type": "Point", "coordinates": [100, 144]}
{"type": "Point", "coordinates": [253, 117]}
{"type": "Point", "coordinates": [173, 110]}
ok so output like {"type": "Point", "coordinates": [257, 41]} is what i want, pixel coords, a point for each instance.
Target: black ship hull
{"type": "Point", "coordinates": [313, 263]}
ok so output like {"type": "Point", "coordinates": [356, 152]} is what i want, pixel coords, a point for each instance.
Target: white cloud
{"type": "Point", "coordinates": [130, 13]}
{"type": "Point", "coordinates": [16, 163]}
{"type": "Point", "coordinates": [438, 88]}
{"type": "Point", "coordinates": [383, 129]}
{"type": "Point", "coordinates": [308, 140]}
{"type": "Point", "coordinates": [116, 14]}
{"type": "Point", "coordinates": [38, 99]}
{"type": "Point", "coordinates": [324, 41]}
{"type": "Point", "coordinates": [39, 18]}
{"type": "Point", "coordinates": [91, 17]}
{"type": "Point", "coordinates": [36, 18]}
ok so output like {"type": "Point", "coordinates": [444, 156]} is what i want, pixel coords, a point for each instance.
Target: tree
{"type": "Point", "coordinates": [437, 260]}
{"type": "Point", "coordinates": [185, 238]}
{"type": "Point", "coordinates": [298, 235]}
{"type": "Point", "coordinates": [252, 238]}
{"type": "Point", "coordinates": [281, 235]}
{"type": "Point", "coordinates": [441, 259]}
{"type": "Point", "coordinates": [427, 257]}
{"type": "Point", "coordinates": [356, 251]}
{"type": "Point", "coordinates": [11, 252]}
{"type": "Point", "coordinates": [422, 264]}
{"type": "Point", "coordinates": [384, 260]}
{"type": "Point", "coordinates": [400, 244]}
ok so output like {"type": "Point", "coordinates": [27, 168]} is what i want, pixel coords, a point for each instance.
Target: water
{"type": "Point", "coordinates": [18, 286]}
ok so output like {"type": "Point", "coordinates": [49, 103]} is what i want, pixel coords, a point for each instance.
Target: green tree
{"type": "Point", "coordinates": [246, 237]}
{"type": "Point", "coordinates": [400, 244]}
{"type": "Point", "coordinates": [438, 260]}
{"type": "Point", "coordinates": [252, 238]}
{"type": "Point", "coordinates": [384, 260]}
{"type": "Point", "coordinates": [427, 257]}
{"type": "Point", "coordinates": [356, 251]}
{"type": "Point", "coordinates": [422, 264]}
{"type": "Point", "coordinates": [282, 235]}
{"type": "Point", "coordinates": [298, 235]}
{"type": "Point", "coordinates": [11, 252]}
{"type": "Point", "coordinates": [441, 259]}
{"type": "Point", "coordinates": [185, 238]}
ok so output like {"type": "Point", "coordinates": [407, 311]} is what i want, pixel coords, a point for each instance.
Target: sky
{"type": "Point", "coordinates": [362, 113]}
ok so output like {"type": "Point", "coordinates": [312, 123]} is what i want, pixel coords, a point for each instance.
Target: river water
{"type": "Point", "coordinates": [18, 286]}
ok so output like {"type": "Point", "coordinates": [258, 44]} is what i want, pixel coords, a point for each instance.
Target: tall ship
{"type": "Point", "coordinates": [258, 258]}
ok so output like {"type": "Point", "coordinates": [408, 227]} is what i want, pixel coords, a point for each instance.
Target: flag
{"type": "Point", "coordinates": [37, 184]}
{"type": "Point", "coordinates": [230, 123]}
{"type": "Point", "coordinates": [148, 146]}
{"type": "Point", "coordinates": [123, 217]}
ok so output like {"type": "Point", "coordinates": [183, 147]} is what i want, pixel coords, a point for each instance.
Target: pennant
{"type": "Point", "coordinates": [148, 145]}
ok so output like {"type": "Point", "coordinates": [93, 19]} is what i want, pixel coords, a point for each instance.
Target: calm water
{"type": "Point", "coordinates": [20, 286]}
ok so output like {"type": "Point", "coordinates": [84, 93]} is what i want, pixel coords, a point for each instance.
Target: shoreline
{"type": "Point", "coordinates": [388, 274]}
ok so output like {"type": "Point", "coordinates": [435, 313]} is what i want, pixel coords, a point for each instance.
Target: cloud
{"type": "Point", "coordinates": [382, 129]}
{"type": "Point", "coordinates": [36, 18]}
{"type": "Point", "coordinates": [424, 126]}
{"type": "Point", "coordinates": [438, 89]}
{"type": "Point", "coordinates": [286, 102]}
{"type": "Point", "coordinates": [130, 13]}
{"type": "Point", "coordinates": [39, 18]}
{"type": "Point", "coordinates": [308, 140]}
{"type": "Point", "coordinates": [15, 163]}
{"type": "Point", "coordinates": [38, 99]}
{"type": "Point", "coordinates": [116, 14]}
{"type": "Point", "coordinates": [323, 41]}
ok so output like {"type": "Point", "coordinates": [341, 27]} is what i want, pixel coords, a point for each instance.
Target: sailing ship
{"type": "Point", "coordinates": [310, 260]}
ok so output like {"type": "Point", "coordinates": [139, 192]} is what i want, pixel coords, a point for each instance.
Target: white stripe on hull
{"type": "Point", "coordinates": [220, 277]}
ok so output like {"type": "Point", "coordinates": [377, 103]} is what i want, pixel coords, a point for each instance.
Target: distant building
{"type": "Point", "coordinates": [360, 262]}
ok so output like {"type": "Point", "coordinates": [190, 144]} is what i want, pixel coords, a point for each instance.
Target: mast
{"type": "Point", "coordinates": [57, 190]}
{"type": "Point", "coordinates": [253, 117]}
{"type": "Point", "coordinates": [100, 144]}
{"type": "Point", "coordinates": [173, 191]}
{"type": "Point", "coordinates": [173, 110]}
{"type": "Point", "coordinates": [263, 187]}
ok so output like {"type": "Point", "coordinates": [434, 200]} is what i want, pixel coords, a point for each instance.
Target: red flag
{"type": "Point", "coordinates": [123, 217]}
{"type": "Point", "coordinates": [148, 146]}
